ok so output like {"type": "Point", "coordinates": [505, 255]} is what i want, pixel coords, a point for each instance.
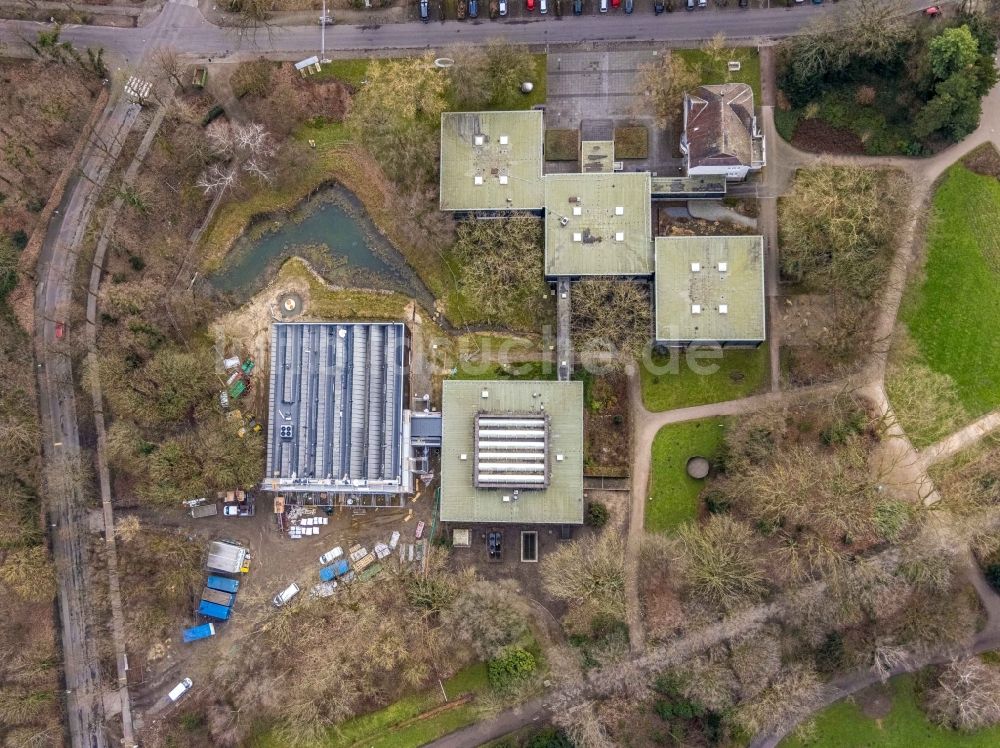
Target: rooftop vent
{"type": "Point", "coordinates": [723, 308]}
{"type": "Point", "coordinates": [620, 210]}
{"type": "Point", "coordinates": [560, 458]}
{"type": "Point", "coordinates": [479, 140]}
{"type": "Point", "coordinates": [463, 456]}
{"type": "Point", "coordinates": [563, 221]}
{"type": "Point", "coordinates": [619, 236]}
{"type": "Point", "coordinates": [577, 210]}
{"type": "Point", "coordinates": [504, 140]}
{"type": "Point", "coordinates": [486, 394]}
{"type": "Point", "coordinates": [503, 179]}
{"type": "Point", "coordinates": [696, 309]}
{"type": "Point", "coordinates": [723, 267]}
{"type": "Point", "coordinates": [695, 267]}
{"type": "Point", "coordinates": [577, 237]}
{"type": "Point", "coordinates": [477, 179]}
{"type": "Point", "coordinates": [286, 432]}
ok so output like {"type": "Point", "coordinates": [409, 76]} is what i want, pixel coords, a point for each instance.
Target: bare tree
{"type": "Point", "coordinates": [589, 573]}
{"type": "Point", "coordinates": [966, 696]}
{"type": "Point", "coordinates": [661, 86]}
{"type": "Point", "coordinates": [612, 319]}
{"type": "Point", "coordinates": [168, 61]}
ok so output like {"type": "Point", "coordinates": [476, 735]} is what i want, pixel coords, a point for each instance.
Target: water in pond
{"type": "Point", "coordinates": [330, 230]}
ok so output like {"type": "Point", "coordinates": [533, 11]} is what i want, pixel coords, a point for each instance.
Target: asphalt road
{"type": "Point", "coordinates": [85, 702]}
{"type": "Point", "coordinates": [200, 38]}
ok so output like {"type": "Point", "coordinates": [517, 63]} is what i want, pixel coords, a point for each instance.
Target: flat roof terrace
{"type": "Point", "coordinates": [710, 289]}
{"type": "Point", "coordinates": [598, 225]}
{"type": "Point", "coordinates": [491, 161]}
{"type": "Point", "coordinates": [336, 409]}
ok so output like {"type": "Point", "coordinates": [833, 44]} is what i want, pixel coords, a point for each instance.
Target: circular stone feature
{"type": "Point", "coordinates": [527, 87]}
{"type": "Point", "coordinates": [290, 305]}
{"type": "Point", "coordinates": [697, 468]}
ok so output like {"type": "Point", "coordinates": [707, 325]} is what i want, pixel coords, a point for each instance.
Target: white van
{"type": "Point", "coordinates": [180, 689]}
{"type": "Point", "coordinates": [330, 556]}
{"type": "Point", "coordinates": [543, 6]}
{"type": "Point", "coordinates": [604, 6]}
{"type": "Point", "coordinates": [285, 595]}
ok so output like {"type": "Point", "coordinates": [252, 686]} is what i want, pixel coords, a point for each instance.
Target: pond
{"type": "Point", "coordinates": [332, 231]}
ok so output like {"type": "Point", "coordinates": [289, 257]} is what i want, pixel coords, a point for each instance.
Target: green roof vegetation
{"type": "Point", "coordinates": [491, 160]}
{"type": "Point", "coordinates": [710, 289]}
{"type": "Point", "coordinates": [562, 501]}
{"type": "Point", "coordinates": [598, 224]}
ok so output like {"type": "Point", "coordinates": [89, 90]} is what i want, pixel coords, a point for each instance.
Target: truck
{"type": "Point", "coordinates": [218, 597]}
{"type": "Point", "coordinates": [212, 610]}
{"type": "Point", "coordinates": [223, 583]}
{"type": "Point", "coordinates": [226, 556]}
{"type": "Point", "coordinates": [339, 569]}
{"type": "Point", "coordinates": [195, 633]}
{"type": "Point", "coordinates": [205, 510]}
{"type": "Point", "coordinates": [180, 689]}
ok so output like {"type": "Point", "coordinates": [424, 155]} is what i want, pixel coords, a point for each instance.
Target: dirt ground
{"type": "Point", "coordinates": [668, 225]}
{"type": "Point", "coordinates": [817, 136]}
{"type": "Point", "coordinates": [277, 561]}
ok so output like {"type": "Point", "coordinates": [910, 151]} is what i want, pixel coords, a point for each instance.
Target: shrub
{"type": "Point", "coordinates": [510, 667]}
{"type": "Point", "coordinates": [597, 514]}
{"type": "Point", "coordinates": [865, 95]}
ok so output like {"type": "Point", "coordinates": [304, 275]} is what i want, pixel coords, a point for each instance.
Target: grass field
{"type": "Point", "coordinates": [527, 371]}
{"type": "Point", "coordinates": [953, 312]}
{"type": "Point", "coordinates": [631, 142]}
{"type": "Point", "coordinates": [740, 373]}
{"type": "Point", "coordinates": [844, 725]}
{"type": "Point", "coordinates": [398, 726]}
{"type": "Point", "coordinates": [717, 71]}
{"type": "Point", "coordinates": [674, 494]}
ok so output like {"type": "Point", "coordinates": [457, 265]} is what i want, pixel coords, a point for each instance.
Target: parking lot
{"type": "Point", "coordinates": [601, 85]}
{"type": "Point", "coordinates": [446, 10]}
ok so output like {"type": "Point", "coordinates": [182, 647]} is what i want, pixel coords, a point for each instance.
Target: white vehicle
{"type": "Point", "coordinates": [330, 556]}
{"type": "Point", "coordinates": [503, 7]}
{"type": "Point", "coordinates": [604, 6]}
{"type": "Point", "coordinates": [394, 539]}
{"type": "Point", "coordinates": [180, 689]}
{"type": "Point", "coordinates": [285, 595]}
{"type": "Point", "coordinates": [231, 363]}
{"type": "Point", "coordinates": [543, 6]}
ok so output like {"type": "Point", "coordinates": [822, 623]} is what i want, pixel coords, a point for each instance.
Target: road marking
{"type": "Point", "coordinates": [56, 444]}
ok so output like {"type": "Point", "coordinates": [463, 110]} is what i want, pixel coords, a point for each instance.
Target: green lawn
{"type": "Point", "coordinates": [953, 313]}
{"type": "Point", "coordinates": [739, 373]}
{"type": "Point", "coordinates": [843, 725]}
{"type": "Point", "coordinates": [713, 71]}
{"type": "Point", "coordinates": [528, 370]}
{"type": "Point", "coordinates": [674, 494]}
{"type": "Point", "coordinates": [380, 729]}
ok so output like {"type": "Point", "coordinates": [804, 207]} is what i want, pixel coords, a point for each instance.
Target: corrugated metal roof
{"type": "Point", "coordinates": [491, 160]}
{"type": "Point", "coordinates": [598, 224]}
{"type": "Point", "coordinates": [336, 408]}
{"type": "Point", "coordinates": [562, 501]}
{"type": "Point", "coordinates": [710, 289]}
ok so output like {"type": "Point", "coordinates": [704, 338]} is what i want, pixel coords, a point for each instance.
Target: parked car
{"type": "Point", "coordinates": [330, 556]}
{"type": "Point", "coordinates": [616, 3]}
{"type": "Point", "coordinates": [473, 8]}
{"type": "Point", "coordinates": [933, 11]}
{"type": "Point", "coordinates": [494, 542]}
{"type": "Point", "coordinates": [689, 5]}
{"type": "Point", "coordinates": [283, 597]}
{"type": "Point", "coordinates": [60, 330]}
{"type": "Point", "coordinates": [180, 689]}
{"type": "Point", "coordinates": [460, 9]}
{"type": "Point", "coordinates": [559, 8]}
{"type": "Point", "coordinates": [744, 3]}
{"type": "Point", "coordinates": [394, 539]}
{"type": "Point", "coordinates": [702, 3]}
{"type": "Point", "coordinates": [628, 6]}
{"type": "Point", "coordinates": [503, 7]}
{"type": "Point", "coordinates": [425, 11]}
{"type": "Point", "coordinates": [420, 530]}
{"type": "Point", "coordinates": [658, 7]}
{"type": "Point", "coordinates": [529, 5]}
{"type": "Point", "coordinates": [577, 7]}
{"type": "Point", "coordinates": [604, 6]}
{"type": "Point", "coordinates": [543, 6]}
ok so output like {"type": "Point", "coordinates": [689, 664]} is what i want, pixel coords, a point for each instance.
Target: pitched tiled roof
{"type": "Point", "coordinates": [720, 125]}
